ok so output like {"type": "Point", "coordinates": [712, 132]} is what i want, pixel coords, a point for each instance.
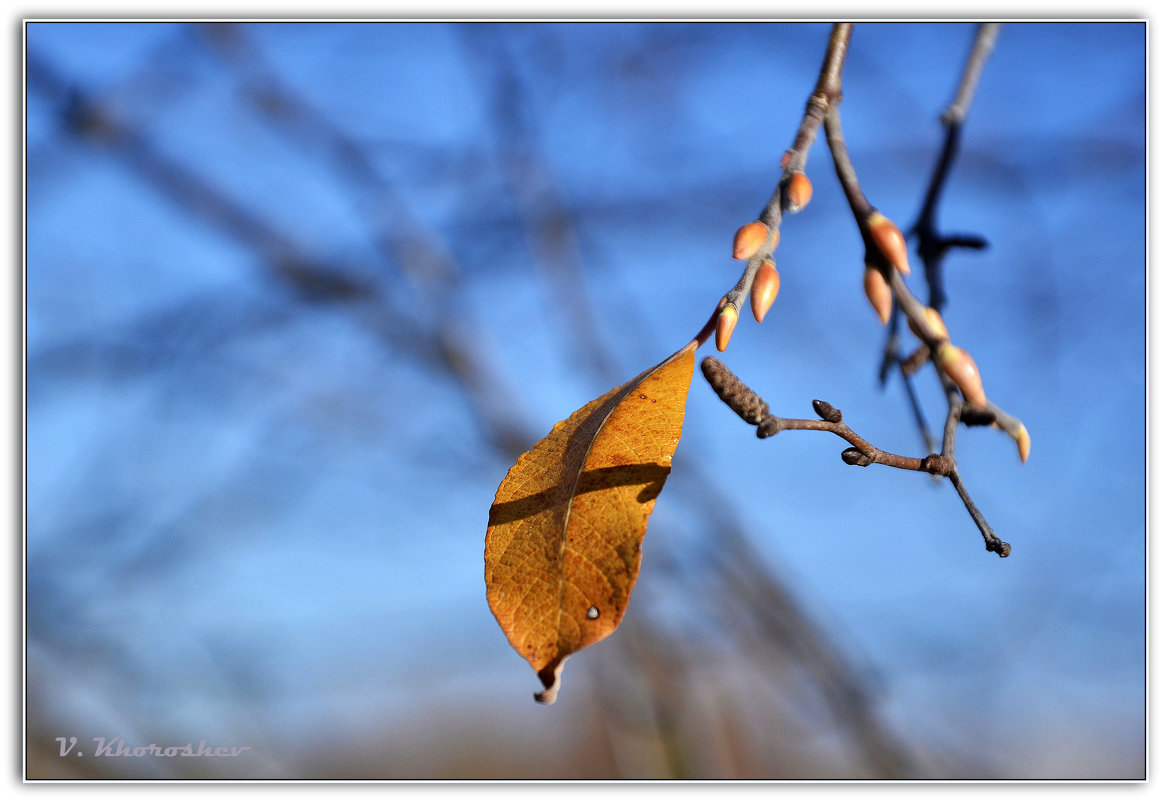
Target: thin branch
{"type": "Point", "coordinates": [885, 254]}
{"type": "Point", "coordinates": [993, 542]}
{"type": "Point", "coordinates": [551, 233]}
{"type": "Point", "coordinates": [931, 245]}
{"type": "Point", "coordinates": [892, 360]}
{"type": "Point", "coordinates": [861, 208]}
{"type": "Point", "coordinates": [827, 92]}
{"type": "Point", "coordinates": [753, 409]}
{"type": "Point", "coordinates": [905, 302]}
{"type": "Point", "coordinates": [982, 47]}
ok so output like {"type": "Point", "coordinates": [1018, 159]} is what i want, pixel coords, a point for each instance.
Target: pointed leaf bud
{"type": "Point", "coordinates": [879, 295]}
{"type": "Point", "coordinates": [749, 239]}
{"type": "Point", "coordinates": [764, 289]}
{"type": "Point", "coordinates": [798, 192]}
{"type": "Point", "coordinates": [1023, 439]}
{"type": "Point", "coordinates": [727, 319]}
{"type": "Point", "coordinates": [936, 324]}
{"type": "Point", "coordinates": [890, 241]}
{"type": "Point", "coordinates": [827, 411]}
{"type": "Point", "coordinates": [959, 366]}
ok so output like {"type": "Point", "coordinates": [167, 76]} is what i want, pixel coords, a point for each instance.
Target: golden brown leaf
{"type": "Point", "coordinates": [563, 546]}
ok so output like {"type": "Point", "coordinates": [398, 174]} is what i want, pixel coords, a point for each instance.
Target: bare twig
{"type": "Point", "coordinates": [753, 409]}
{"type": "Point", "coordinates": [826, 94]}
{"type": "Point", "coordinates": [859, 204]}
{"type": "Point", "coordinates": [828, 89]}
{"type": "Point", "coordinates": [931, 245]}
{"type": "Point", "coordinates": [876, 258]}
{"type": "Point", "coordinates": [884, 254]}
{"type": "Point", "coordinates": [550, 230]}
{"type": "Point", "coordinates": [982, 47]}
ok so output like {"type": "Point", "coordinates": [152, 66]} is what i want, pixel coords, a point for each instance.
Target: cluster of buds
{"type": "Point", "coordinates": [886, 237]}
{"type": "Point", "coordinates": [956, 363]}
{"type": "Point", "coordinates": [750, 239]}
{"type": "Point", "coordinates": [959, 365]}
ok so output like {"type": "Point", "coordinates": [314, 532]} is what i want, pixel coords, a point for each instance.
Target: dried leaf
{"type": "Point", "coordinates": [563, 547]}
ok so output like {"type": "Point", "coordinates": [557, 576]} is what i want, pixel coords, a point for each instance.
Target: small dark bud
{"type": "Point", "coordinates": [855, 457]}
{"type": "Point", "coordinates": [827, 411]}
{"type": "Point", "coordinates": [769, 427]}
{"type": "Point", "coordinates": [1002, 549]}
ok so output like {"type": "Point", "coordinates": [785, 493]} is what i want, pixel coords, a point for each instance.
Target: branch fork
{"type": "Point", "coordinates": [746, 403]}
{"type": "Point", "coordinates": [886, 265]}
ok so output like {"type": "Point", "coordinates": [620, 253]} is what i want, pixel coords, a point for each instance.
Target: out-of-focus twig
{"type": "Point", "coordinates": [931, 245]}
{"type": "Point", "coordinates": [549, 227]}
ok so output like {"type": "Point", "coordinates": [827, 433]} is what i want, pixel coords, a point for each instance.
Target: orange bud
{"type": "Point", "coordinates": [879, 295]}
{"type": "Point", "coordinates": [1023, 439]}
{"type": "Point", "coordinates": [889, 239]}
{"type": "Point", "coordinates": [749, 239]}
{"type": "Point", "coordinates": [798, 191]}
{"type": "Point", "coordinates": [959, 366]}
{"type": "Point", "coordinates": [936, 324]}
{"type": "Point", "coordinates": [764, 289]}
{"type": "Point", "coordinates": [727, 319]}
{"type": "Point", "coordinates": [786, 158]}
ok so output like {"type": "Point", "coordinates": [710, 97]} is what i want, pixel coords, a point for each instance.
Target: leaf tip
{"type": "Point", "coordinates": [550, 676]}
